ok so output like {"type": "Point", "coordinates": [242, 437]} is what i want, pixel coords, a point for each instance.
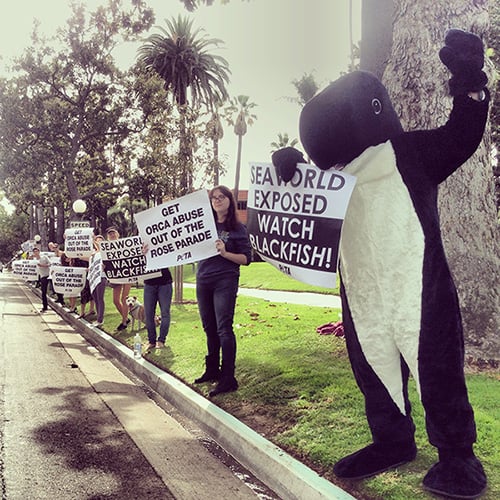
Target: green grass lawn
{"type": "Point", "coordinates": [297, 388]}
{"type": "Point", "coordinates": [264, 276]}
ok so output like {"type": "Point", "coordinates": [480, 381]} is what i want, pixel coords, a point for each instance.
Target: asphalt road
{"type": "Point", "coordinates": [74, 426]}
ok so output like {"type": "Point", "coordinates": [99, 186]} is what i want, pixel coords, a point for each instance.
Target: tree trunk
{"type": "Point", "coordinates": [51, 224]}
{"type": "Point", "coordinates": [178, 284]}
{"type": "Point", "coordinates": [238, 168]}
{"type": "Point", "coordinates": [417, 83]}
{"type": "Point", "coordinates": [42, 226]}
{"type": "Point", "coordinates": [73, 190]}
{"type": "Point", "coordinates": [60, 224]}
{"type": "Point", "coordinates": [33, 222]}
{"type": "Point", "coordinates": [216, 161]}
{"type": "Point", "coordinates": [376, 44]}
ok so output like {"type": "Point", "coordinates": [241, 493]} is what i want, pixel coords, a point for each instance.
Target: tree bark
{"type": "Point", "coordinates": [60, 224]}
{"type": "Point", "coordinates": [417, 83]}
{"type": "Point", "coordinates": [238, 168]}
{"type": "Point", "coordinates": [42, 226]}
{"type": "Point", "coordinates": [376, 44]}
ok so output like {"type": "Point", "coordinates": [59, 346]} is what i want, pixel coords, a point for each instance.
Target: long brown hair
{"type": "Point", "coordinates": [232, 219]}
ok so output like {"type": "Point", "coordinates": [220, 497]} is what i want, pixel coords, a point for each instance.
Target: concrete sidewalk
{"type": "Point", "coordinates": [286, 476]}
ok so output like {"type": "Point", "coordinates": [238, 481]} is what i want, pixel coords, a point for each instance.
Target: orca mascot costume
{"type": "Point", "coordinates": [400, 307]}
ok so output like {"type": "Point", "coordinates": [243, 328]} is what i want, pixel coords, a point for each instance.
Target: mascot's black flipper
{"type": "Point", "coordinates": [463, 55]}
{"type": "Point", "coordinates": [285, 161]}
{"type": "Point", "coordinates": [400, 307]}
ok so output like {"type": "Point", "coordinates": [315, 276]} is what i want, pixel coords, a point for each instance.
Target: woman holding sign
{"type": "Point", "coordinates": [120, 292]}
{"type": "Point", "coordinates": [98, 286]}
{"type": "Point", "coordinates": [217, 281]}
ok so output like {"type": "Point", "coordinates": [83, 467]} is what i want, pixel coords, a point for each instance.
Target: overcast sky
{"type": "Point", "coordinates": [268, 43]}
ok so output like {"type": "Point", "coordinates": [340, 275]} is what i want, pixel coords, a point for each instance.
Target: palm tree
{"type": "Point", "coordinates": [283, 142]}
{"type": "Point", "coordinates": [181, 57]}
{"type": "Point", "coordinates": [215, 132]}
{"type": "Point", "coordinates": [242, 106]}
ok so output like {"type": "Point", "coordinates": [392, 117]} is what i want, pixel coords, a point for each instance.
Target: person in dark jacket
{"type": "Point", "coordinates": [217, 280]}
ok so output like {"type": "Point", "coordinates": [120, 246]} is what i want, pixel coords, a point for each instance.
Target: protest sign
{"type": "Point", "coordinates": [54, 259]}
{"type": "Point", "coordinates": [79, 223]}
{"type": "Point", "coordinates": [27, 269]}
{"type": "Point", "coordinates": [296, 226]}
{"type": "Point", "coordinates": [30, 270]}
{"type": "Point", "coordinates": [124, 261]}
{"type": "Point", "coordinates": [68, 280]}
{"type": "Point", "coordinates": [17, 266]}
{"type": "Point", "coordinates": [95, 271]}
{"type": "Point", "coordinates": [179, 231]}
{"type": "Point", "coordinates": [27, 246]}
{"type": "Point", "coordinates": [79, 242]}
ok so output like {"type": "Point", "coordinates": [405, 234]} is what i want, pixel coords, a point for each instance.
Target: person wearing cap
{"type": "Point", "coordinates": [43, 272]}
{"type": "Point", "coordinates": [120, 292]}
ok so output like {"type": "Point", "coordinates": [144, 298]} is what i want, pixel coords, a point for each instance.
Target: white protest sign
{"type": "Point", "coordinates": [29, 270]}
{"type": "Point", "coordinates": [17, 266]}
{"type": "Point", "coordinates": [54, 259]}
{"type": "Point", "coordinates": [179, 231]}
{"type": "Point", "coordinates": [28, 246]}
{"type": "Point", "coordinates": [296, 226]}
{"type": "Point", "coordinates": [95, 271]}
{"type": "Point", "coordinates": [124, 261]}
{"type": "Point", "coordinates": [68, 280]}
{"type": "Point", "coordinates": [79, 242]}
{"type": "Point", "coordinates": [26, 268]}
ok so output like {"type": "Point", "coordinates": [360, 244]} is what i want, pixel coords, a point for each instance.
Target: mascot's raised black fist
{"type": "Point", "coordinates": [463, 55]}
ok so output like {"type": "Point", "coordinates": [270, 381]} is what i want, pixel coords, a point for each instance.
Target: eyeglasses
{"type": "Point", "coordinates": [218, 198]}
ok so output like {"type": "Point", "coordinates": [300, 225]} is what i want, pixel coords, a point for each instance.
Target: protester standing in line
{"type": "Point", "coordinates": [120, 292]}
{"type": "Point", "coordinates": [217, 280]}
{"type": "Point", "coordinates": [85, 295]}
{"type": "Point", "coordinates": [157, 291]}
{"type": "Point", "coordinates": [54, 247]}
{"type": "Point", "coordinates": [43, 272]}
{"type": "Point", "coordinates": [100, 288]}
{"type": "Point", "coordinates": [67, 262]}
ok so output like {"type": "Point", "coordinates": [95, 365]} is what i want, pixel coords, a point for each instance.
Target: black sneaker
{"type": "Point", "coordinates": [43, 310]}
{"type": "Point", "coordinates": [121, 326]}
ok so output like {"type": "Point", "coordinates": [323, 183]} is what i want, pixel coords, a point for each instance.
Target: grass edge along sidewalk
{"type": "Point", "coordinates": [297, 388]}
{"type": "Point", "coordinates": [285, 475]}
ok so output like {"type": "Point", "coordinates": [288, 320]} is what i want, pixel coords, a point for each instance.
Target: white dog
{"type": "Point", "coordinates": [136, 311]}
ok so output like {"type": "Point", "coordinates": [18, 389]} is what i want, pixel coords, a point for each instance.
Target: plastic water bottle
{"type": "Point", "coordinates": [137, 346]}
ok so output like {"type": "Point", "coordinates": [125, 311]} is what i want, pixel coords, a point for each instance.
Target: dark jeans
{"type": "Point", "coordinates": [98, 298]}
{"type": "Point", "coordinates": [157, 294]}
{"type": "Point", "coordinates": [216, 302]}
{"type": "Point", "coordinates": [44, 285]}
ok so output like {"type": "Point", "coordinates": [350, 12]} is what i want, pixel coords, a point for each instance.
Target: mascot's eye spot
{"type": "Point", "coordinates": [377, 106]}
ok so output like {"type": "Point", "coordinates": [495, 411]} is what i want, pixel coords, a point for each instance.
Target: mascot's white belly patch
{"type": "Point", "coordinates": [381, 258]}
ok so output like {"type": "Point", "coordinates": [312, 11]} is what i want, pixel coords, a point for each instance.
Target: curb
{"type": "Point", "coordinates": [286, 476]}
